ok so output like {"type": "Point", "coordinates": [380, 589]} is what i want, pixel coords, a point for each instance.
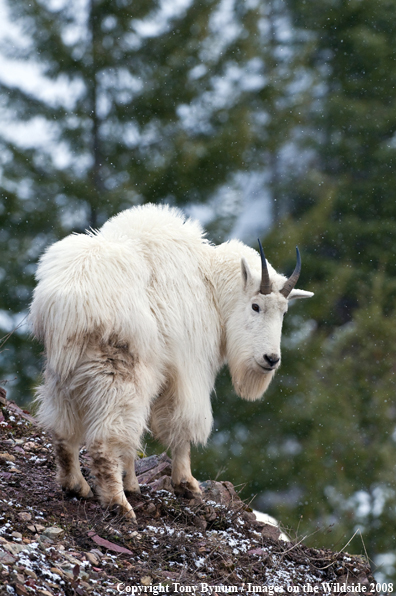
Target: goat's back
{"type": "Point", "coordinates": [142, 278]}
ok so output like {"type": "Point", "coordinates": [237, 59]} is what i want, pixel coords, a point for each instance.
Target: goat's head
{"type": "Point", "coordinates": [254, 352]}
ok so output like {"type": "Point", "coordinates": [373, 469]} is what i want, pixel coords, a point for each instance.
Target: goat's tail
{"type": "Point", "coordinates": [90, 285]}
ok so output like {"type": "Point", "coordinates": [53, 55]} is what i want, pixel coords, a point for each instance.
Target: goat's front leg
{"type": "Point", "coordinates": [131, 484]}
{"type": "Point", "coordinates": [182, 478]}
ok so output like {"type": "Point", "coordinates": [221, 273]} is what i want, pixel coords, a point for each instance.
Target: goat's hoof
{"type": "Point", "coordinates": [123, 512]}
{"type": "Point", "coordinates": [78, 492]}
{"type": "Point", "coordinates": [130, 516]}
{"type": "Point", "coordinates": [86, 492]}
{"type": "Point", "coordinates": [188, 490]}
{"type": "Point", "coordinates": [133, 490]}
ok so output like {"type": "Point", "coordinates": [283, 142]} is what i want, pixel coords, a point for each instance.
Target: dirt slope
{"type": "Point", "coordinates": [50, 545]}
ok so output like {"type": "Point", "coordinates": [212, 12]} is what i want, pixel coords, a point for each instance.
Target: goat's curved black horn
{"type": "Point", "coordinates": [291, 282]}
{"type": "Point", "coordinates": [265, 285]}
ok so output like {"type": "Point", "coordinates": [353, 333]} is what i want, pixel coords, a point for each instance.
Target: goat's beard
{"type": "Point", "coordinates": [249, 383]}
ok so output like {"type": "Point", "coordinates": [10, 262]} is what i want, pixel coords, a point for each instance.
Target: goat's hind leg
{"type": "Point", "coordinates": [59, 416]}
{"type": "Point", "coordinates": [108, 470]}
{"type": "Point", "coordinates": [117, 392]}
{"type": "Point", "coordinates": [113, 439]}
{"type": "Point", "coordinates": [68, 467]}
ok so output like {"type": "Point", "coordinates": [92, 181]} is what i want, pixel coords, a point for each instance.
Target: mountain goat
{"type": "Point", "coordinates": [136, 319]}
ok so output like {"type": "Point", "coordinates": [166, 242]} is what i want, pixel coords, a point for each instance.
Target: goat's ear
{"type": "Point", "coordinates": [295, 294]}
{"type": "Point", "coordinates": [247, 278]}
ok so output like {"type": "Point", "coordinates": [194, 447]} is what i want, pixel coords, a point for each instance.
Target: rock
{"type": "Point", "coordinates": [6, 558]}
{"type": "Point", "coordinates": [270, 531]}
{"type": "Point", "coordinates": [256, 551]}
{"type": "Point", "coordinates": [67, 569]}
{"type": "Point", "coordinates": [17, 535]}
{"type": "Point", "coordinates": [162, 469]}
{"type": "Point", "coordinates": [30, 446]}
{"type": "Point", "coordinates": [229, 564]}
{"type": "Point", "coordinates": [151, 508]}
{"type": "Point", "coordinates": [220, 492]}
{"type": "Point", "coordinates": [45, 541]}
{"type": "Point", "coordinates": [4, 457]}
{"type": "Point", "coordinates": [54, 533]}
{"type": "Point", "coordinates": [248, 516]}
{"type": "Point", "coordinates": [21, 590]}
{"type": "Point", "coordinates": [19, 449]}
{"type": "Point", "coordinates": [74, 571]}
{"type": "Point", "coordinates": [98, 553]}
{"type": "Point", "coordinates": [57, 571]}
{"type": "Point", "coordinates": [200, 523]}
{"type": "Point", "coordinates": [148, 463]}
{"type": "Point", "coordinates": [71, 560]}
{"type": "Point", "coordinates": [36, 528]}
{"type": "Point", "coordinates": [20, 578]}
{"type": "Point", "coordinates": [163, 483]}
{"type": "Point", "coordinates": [210, 513]}
{"type": "Point", "coordinates": [24, 516]}
{"type": "Point", "coordinates": [30, 573]}
{"type": "Point", "coordinates": [92, 559]}
{"type": "Point", "coordinates": [14, 548]}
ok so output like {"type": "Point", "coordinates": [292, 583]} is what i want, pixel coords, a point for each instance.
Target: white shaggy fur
{"type": "Point", "coordinates": [136, 319]}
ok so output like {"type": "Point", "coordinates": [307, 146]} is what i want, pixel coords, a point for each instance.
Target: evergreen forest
{"type": "Point", "coordinates": [276, 114]}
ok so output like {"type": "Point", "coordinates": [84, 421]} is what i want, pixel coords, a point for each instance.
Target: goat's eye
{"type": "Point", "coordinates": [256, 307]}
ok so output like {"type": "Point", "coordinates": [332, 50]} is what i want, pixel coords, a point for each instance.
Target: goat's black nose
{"type": "Point", "coordinates": [272, 359]}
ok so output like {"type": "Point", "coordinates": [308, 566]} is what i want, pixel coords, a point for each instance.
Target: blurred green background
{"type": "Point", "coordinates": [263, 118]}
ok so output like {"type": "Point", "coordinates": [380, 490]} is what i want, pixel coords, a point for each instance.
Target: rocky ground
{"type": "Point", "coordinates": [51, 545]}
